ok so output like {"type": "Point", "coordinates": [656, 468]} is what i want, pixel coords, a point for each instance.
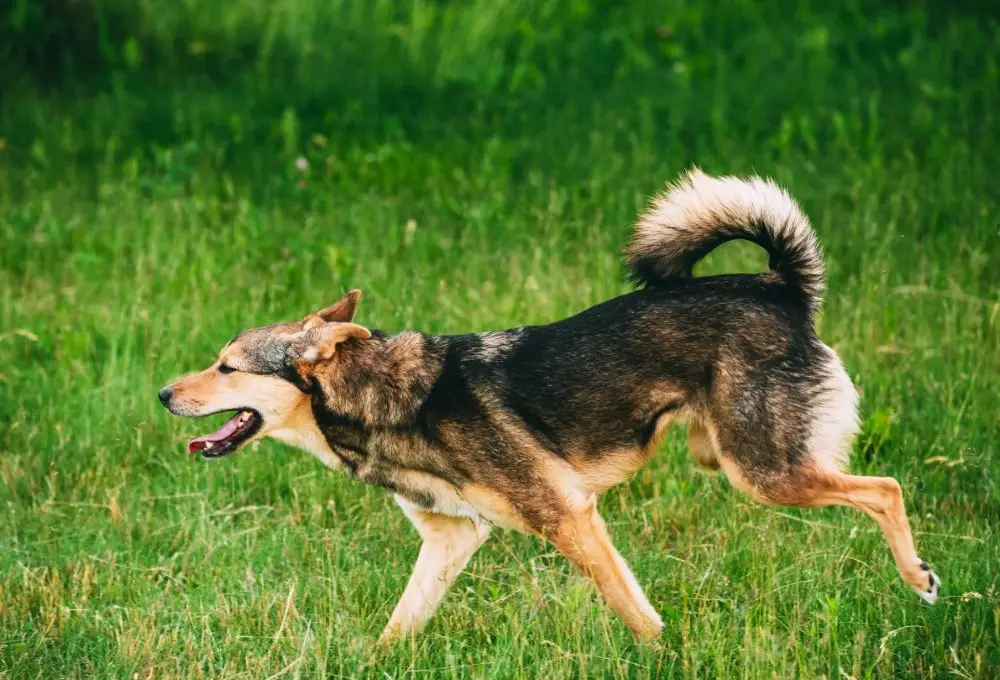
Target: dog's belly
{"type": "Point", "coordinates": [455, 506]}
{"type": "Point", "coordinates": [474, 501]}
{"type": "Point", "coordinates": [427, 491]}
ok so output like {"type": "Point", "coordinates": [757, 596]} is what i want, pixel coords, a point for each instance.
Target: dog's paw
{"type": "Point", "coordinates": [928, 593]}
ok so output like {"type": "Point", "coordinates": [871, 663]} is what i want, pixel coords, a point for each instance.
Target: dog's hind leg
{"type": "Point", "coordinates": [878, 497]}
{"type": "Point", "coordinates": [582, 537]}
{"type": "Point", "coordinates": [701, 446]}
{"type": "Point", "coordinates": [882, 499]}
{"type": "Point", "coordinates": [789, 446]}
{"type": "Point", "coordinates": [448, 545]}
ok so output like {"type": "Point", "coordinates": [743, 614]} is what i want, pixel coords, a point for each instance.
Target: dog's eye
{"type": "Point", "coordinates": [225, 369]}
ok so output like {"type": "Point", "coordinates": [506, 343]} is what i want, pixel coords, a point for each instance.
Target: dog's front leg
{"type": "Point", "coordinates": [448, 544]}
{"type": "Point", "coordinates": [582, 537]}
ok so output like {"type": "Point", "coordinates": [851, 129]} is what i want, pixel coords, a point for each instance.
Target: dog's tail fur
{"type": "Point", "coordinates": [699, 213]}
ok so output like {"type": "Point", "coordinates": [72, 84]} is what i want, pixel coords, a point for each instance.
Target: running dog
{"type": "Point", "coordinates": [524, 428]}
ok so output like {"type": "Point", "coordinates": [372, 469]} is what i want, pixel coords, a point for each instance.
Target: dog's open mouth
{"type": "Point", "coordinates": [227, 438]}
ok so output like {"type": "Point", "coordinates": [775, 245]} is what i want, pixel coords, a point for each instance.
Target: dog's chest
{"type": "Point", "coordinates": [399, 463]}
{"type": "Point", "coordinates": [376, 462]}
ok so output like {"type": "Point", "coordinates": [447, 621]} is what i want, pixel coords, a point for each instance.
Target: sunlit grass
{"type": "Point", "coordinates": [478, 186]}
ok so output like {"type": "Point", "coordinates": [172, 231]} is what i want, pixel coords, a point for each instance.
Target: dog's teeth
{"type": "Point", "coordinates": [208, 445]}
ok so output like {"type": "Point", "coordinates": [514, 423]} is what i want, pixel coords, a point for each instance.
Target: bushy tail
{"type": "Point", "coordinates": [698, 213]}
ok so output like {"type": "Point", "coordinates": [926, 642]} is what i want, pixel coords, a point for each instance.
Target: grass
{"type": "Point", "coordinates": [472, 167]}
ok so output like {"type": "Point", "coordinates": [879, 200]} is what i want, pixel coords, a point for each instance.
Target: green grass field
{"type": "Point", "coordinates": [471, 166]}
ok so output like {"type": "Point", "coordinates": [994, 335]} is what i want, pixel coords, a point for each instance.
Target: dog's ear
{"type": "Point", "coordinates": [342, 310]}
{"type": "Point", "coordinates": [319, 342]}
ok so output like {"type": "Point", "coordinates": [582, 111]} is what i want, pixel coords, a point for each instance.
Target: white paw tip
{"type": "Point", "coordinates": [930, 595]}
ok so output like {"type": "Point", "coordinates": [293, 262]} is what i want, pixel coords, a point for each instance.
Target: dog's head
{"type": "Point", "coordinates": [263, 375]}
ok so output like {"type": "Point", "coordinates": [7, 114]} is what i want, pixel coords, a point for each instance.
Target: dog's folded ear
{"type": "Point", "coordinates": [319, 342]}
{"type": "Point", "coordinates": [342, 310]}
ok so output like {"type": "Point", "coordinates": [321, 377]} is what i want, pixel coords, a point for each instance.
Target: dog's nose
{"type": "Point", "coordinates": [164, 394]}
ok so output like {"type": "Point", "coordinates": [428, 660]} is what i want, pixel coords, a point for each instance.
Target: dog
{"type": "Point", "coordinates": [524, 428]}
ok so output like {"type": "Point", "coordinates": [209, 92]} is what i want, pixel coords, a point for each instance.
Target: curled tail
{"type": "Point", "coordinates": [698, 213]}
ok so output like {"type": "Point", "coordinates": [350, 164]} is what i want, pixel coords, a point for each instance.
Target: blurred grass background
{"type": "Point", "coordinates": [173, 172]}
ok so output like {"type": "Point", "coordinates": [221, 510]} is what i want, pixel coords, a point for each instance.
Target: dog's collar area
{"type": "Point", "coordinates": [239, 428]}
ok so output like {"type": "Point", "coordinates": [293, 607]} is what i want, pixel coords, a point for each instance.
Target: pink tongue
{"type": "Point", "coordinates": [219, 435]}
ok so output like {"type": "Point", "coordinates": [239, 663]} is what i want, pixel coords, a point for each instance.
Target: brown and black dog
{"type": "Point", "coordinates": [523, 428]}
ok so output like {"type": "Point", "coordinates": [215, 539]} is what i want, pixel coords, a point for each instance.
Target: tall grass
{"type": "Point", "coordinates": [470, 166]}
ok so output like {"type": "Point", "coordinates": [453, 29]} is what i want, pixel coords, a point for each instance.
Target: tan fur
{"type": "Point", "coordinates": [299, 430]}
{"type": "Point", "coordinates": [583, 538]}
{"type": "Point", "coordinates": [331, 335]}
{"type": "Point", "coordinates": [211, 391]}
{"type": "Point", "coordinates": [661, 396]}
{"type": "Point", "coordinates": [579, 476]}
{"type": "Point", "coordinates": [448, 544]}
{"type": "Point", "coordinates": [663, 425]}
{"type": "Point", "coordinates": [343, 309]}
{"type": "Point", "coordinates": [701, 446]}
{"type": "Point", "coordinates": [739, 480]}
{"type": "Point", "coordinates": [878, 497]}
{"type": "Point", "coordinates": [448, 500]}
{"type": "Point", "coordinates": [610, 470]}
{"type": "Point", "coordinates": [881, 499]}
{"type": "Point", "coordinates": [496, 507]}
{"type": "Point", "coordinates": [403, 362]}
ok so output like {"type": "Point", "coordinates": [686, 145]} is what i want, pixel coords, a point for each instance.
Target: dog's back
{"type": "Point", "coordinates": [602, 379]}
{"type": "Point", "coordinates": [736, 355]}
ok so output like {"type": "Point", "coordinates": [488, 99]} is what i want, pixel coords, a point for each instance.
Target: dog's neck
{"type": "Point", "coordinates": [301, 431]}
{"type": "Point", "coordinates": [380, 382]}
